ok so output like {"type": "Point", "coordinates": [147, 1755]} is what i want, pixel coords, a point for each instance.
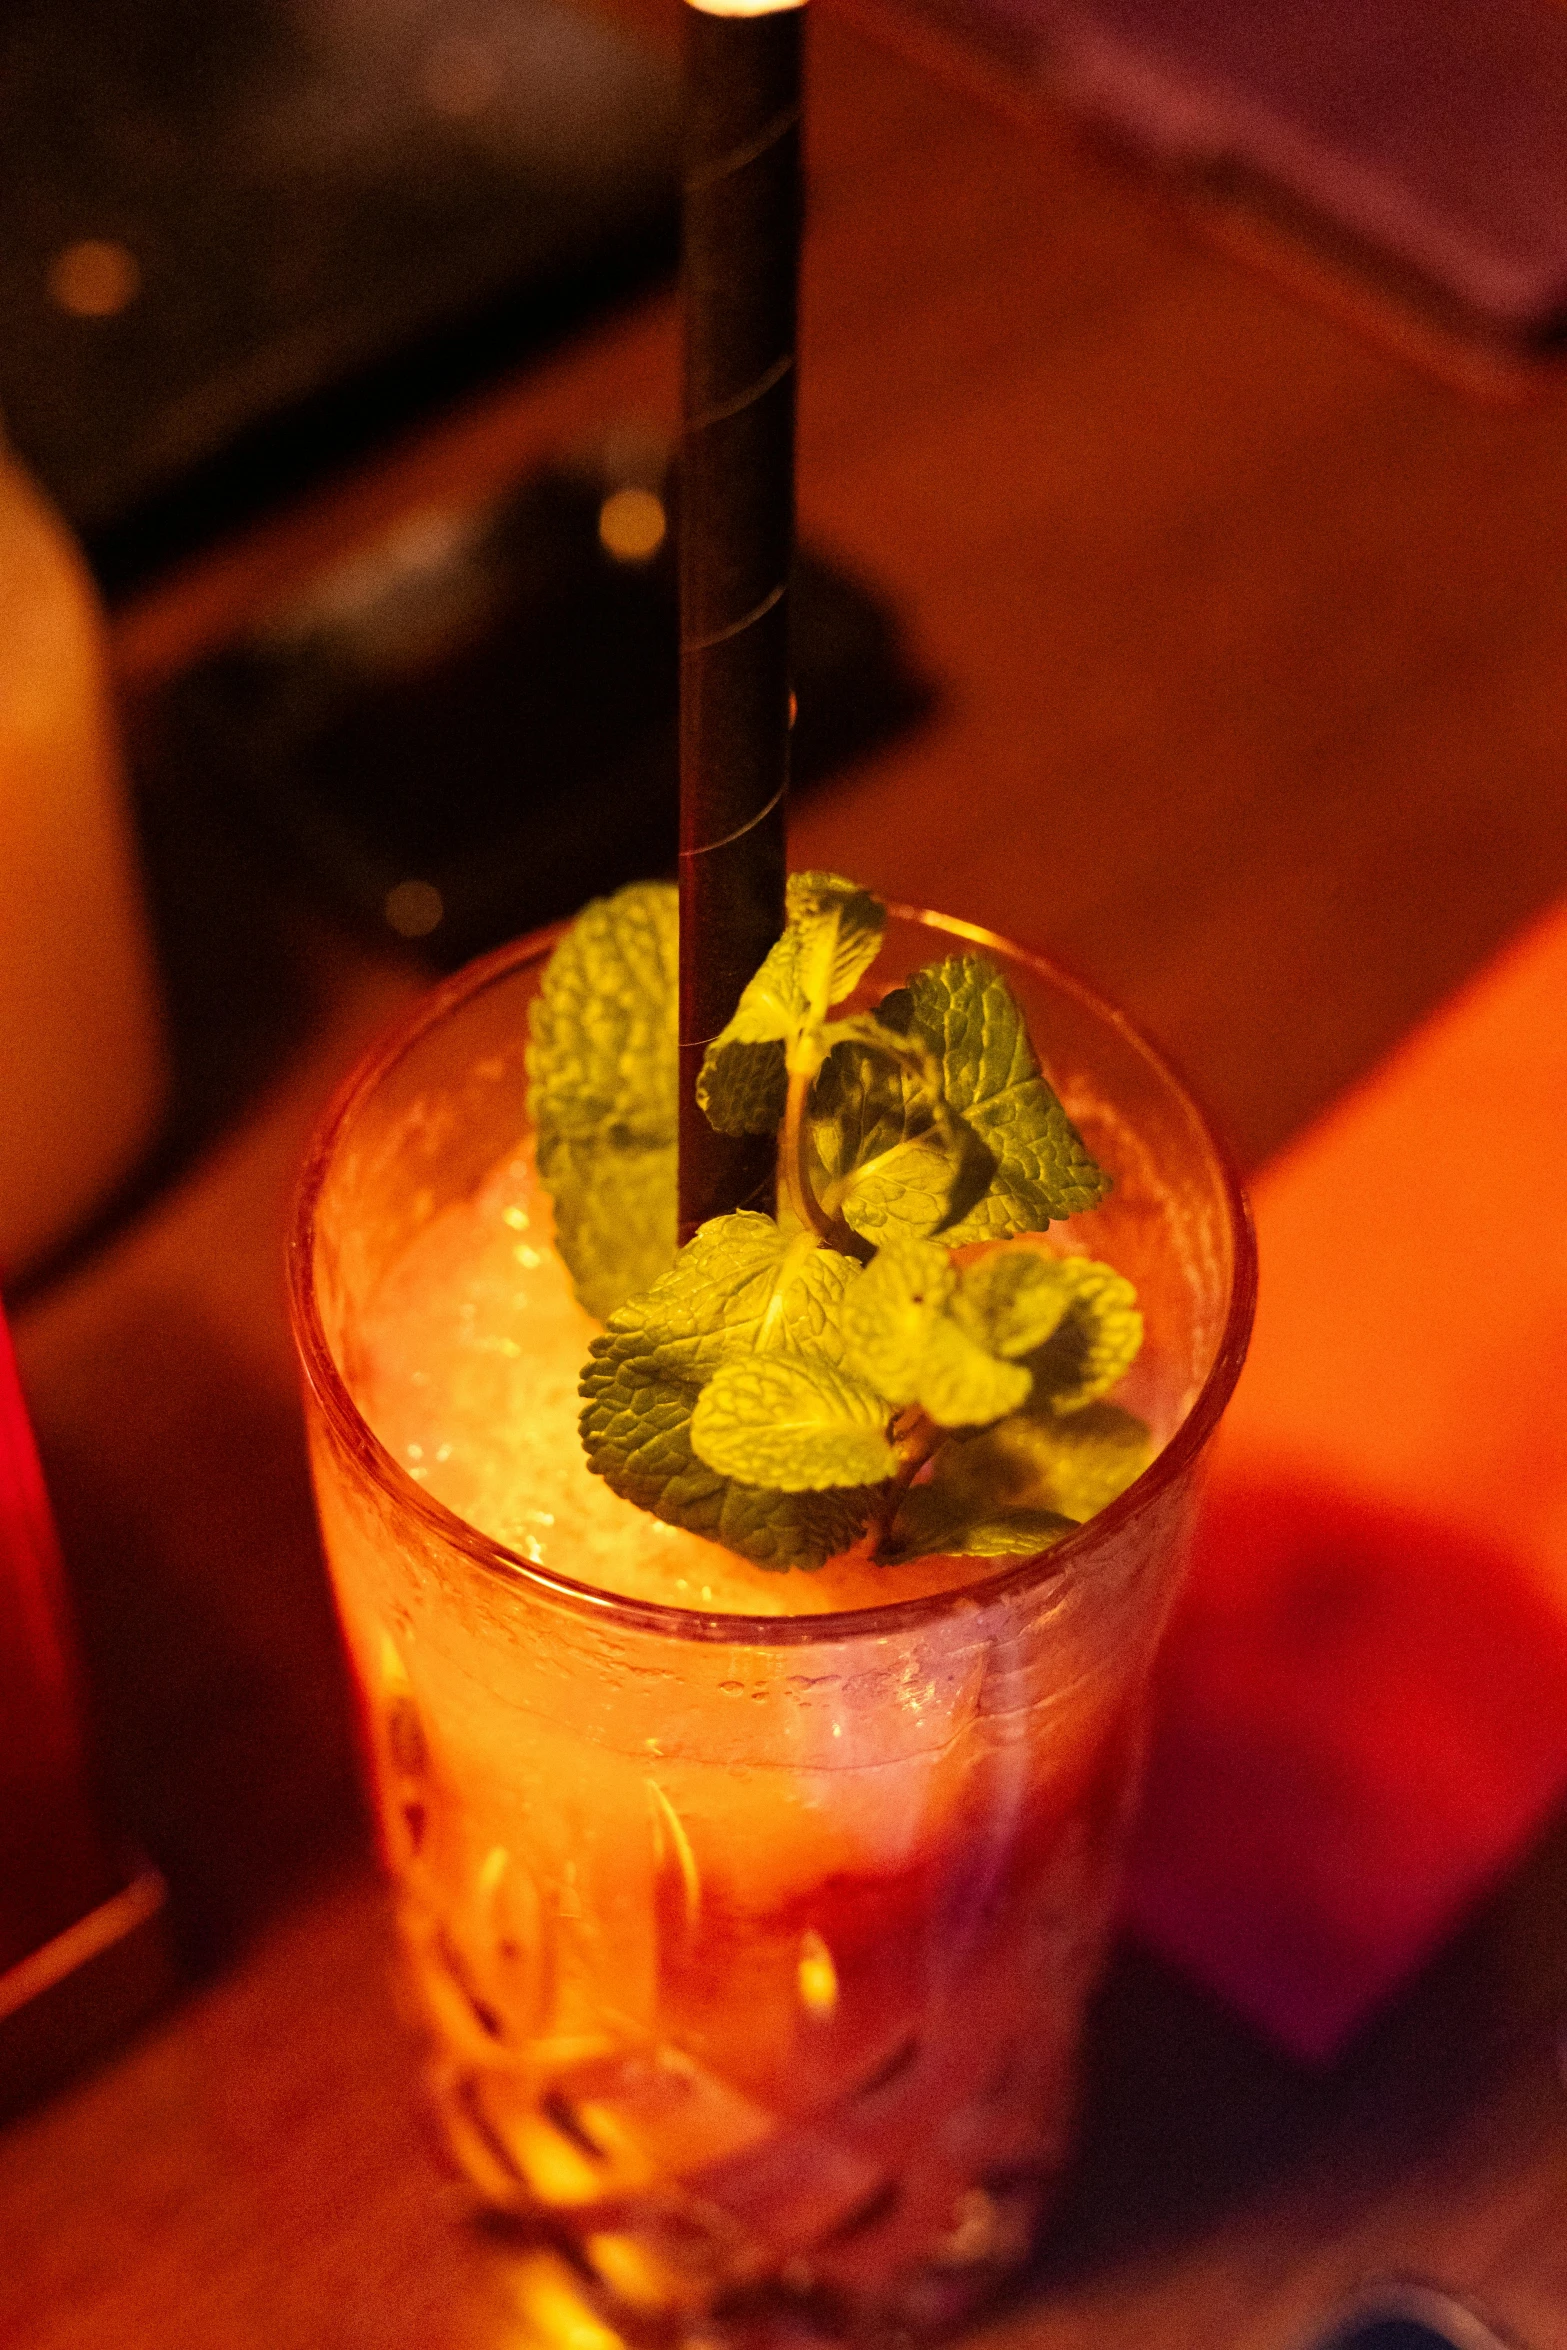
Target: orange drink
{"type": "Point", "coordinates": [752, 1915]}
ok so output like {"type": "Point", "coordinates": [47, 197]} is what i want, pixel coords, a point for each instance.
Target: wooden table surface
{"type": "Point", "coordinates": [1251, 643]}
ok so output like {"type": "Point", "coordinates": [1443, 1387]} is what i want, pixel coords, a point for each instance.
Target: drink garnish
{"type": "Point", "coordinates": [837, 1375]}
{"type": "Point", "coordinates": [602, 1092]}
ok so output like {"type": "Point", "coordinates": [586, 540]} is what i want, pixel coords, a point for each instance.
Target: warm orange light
{"type": "Point", "coordinates": [95, 278]}
{"type": "Point", "coordinates": [816, 1974]}
{"type": "Point", "coordinates": [632, 525]}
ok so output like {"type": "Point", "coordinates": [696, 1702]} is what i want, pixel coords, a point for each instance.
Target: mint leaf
{"type": "Point", "coordinates": [1095, 1343]}
{"type": "Point", "coordinates": [601, 1066]}
{"type": "Point", "coordinates": [1013, 1300]}
{"type": "Point", "coordinates": [889, 1315]}
{"type": "Point", "coordinates": [602, 1030]}
{"type": "Point", "coordinates": [615, 1215]}
{"type": "Point", "coordinates": [740, 1290]}
{"type": "Point", "coordinates": [1094, 1456]}
{"type": "Point", "coordinates": [923, 1332]}
{"type": "Point", "coordinates": [893, 1163]}
{"type": "Point", "coordinates": [905, 1190]}
{"type": "Point", "coordinates": [833, 933]}
{"type": "Point", "coordinates": [934, 1523]}
{"type": "Point", "coordinates": [839, 927]}
{"type": "Point", "coordinates": [637, 1434]}
{"type": "Point", "coordinates": [738, 1286]}
{"type": "Point", "coordinates": [964, 1386]}
{"type": "Point", "coordinates": [782, 1530]}
{"type": "Point", "coordinates": [743, 1084]}
{"type": "Point", "coordinates": [972, 1023]}
{"type": "Point", "coordinates": [1014, 1488]}
{"type": "Point", "coordinates": [744, 1079]}
{"type": "Point", "coordinates": [792, 1422]}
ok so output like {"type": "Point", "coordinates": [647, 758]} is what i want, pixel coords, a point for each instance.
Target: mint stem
{"type": "Point", "coordinates": [794, 1157]}
{"type": "Point", "coordinates": [917, 1439]}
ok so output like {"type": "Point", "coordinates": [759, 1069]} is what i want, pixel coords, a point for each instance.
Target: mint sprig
{"type": "Point", "coordinates": [838, 1376]}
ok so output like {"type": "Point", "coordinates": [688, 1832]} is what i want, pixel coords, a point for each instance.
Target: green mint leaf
{"type": "Point", "coordinates": [783, 1530]}
{"type": "Point", "coordinates": [902, 1192]}
{"type": "Point", "coordinates": [1096, 1453]}
{"type": "Point", "coordinates": [894, 1164]}
{"type": "Point", "coordinates": [907, 1329]}
{"type": "Point", "coordinates": [772, 1003]}
{"type": "Point", "coordinates": [792, 1422]}
{"type": "Point", "coordinates": [615, 1215]}
{"type": "Point", "coordinates": [1013, 1300]}
{"type": "Point", "coordinates": [963, 1386]}
{"type": "Point", "coordinates": [638, 1435]}
{"type": "Point", "coordinates": [742, 1085]}
{"type": "Point", "coordinates": [602, 1030]}
{"type": "Point", "coordinates": [601, 1066]}
{"type": "Point", "coordinates": [971, 1021]}
{"type": "Point", "coordinates": [745, 1388]}
{"type": "Point", "coordinates": [860, 1109]}
{"type": "Point", "coordinates": [833, 933]}
{"type": "Point", "coordinates": [1014, 1488]}
{"type": "Point", "coordinates": [890, 1312]}
{"type": "Point", "coordinates": [741, 1289]}
{"type": "Point", "coordinates": [932, 1523]}
{"type": "Point", "coordinates": [839, 926]}
{"type": "Point", "coordinates": [739, 1286]}
{"type": "Point", "coordinates": [1096, 1341]}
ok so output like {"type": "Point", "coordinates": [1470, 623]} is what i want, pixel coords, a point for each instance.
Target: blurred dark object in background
{"type": "Point", "coordinates": [245, 240]}
{"type": "Point", "coordinates": [469, 727]}
{"type": "Point", "coordinates": [1403, 2316]}
{"type": "Point", "coordinates": [1419, 143]}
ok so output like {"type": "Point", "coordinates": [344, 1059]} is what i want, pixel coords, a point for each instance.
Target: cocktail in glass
{"type": "Point", "coordinates": [752, 1916]}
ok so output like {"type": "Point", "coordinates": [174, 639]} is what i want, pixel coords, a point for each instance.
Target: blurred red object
{"type": "Point", "coordinates": [54, 1862]}
{"type": "Point", "coordinates": [81, 1949]}
{"type": "Point", "coordinates": [1362, 1711]}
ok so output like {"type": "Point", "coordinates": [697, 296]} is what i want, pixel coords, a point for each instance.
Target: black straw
{"type": "Point", "coordinates": [741, 243]}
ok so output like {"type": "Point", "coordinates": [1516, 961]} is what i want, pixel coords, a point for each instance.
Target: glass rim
{"type": "Point", "coordinates": [331, 1392]}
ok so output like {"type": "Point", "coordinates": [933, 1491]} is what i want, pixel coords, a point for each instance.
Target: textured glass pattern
{"type": "Point", "coordinates": [752, 1951]}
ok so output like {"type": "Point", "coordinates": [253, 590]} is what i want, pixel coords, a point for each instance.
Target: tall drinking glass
{"type": "Point", "coordinates": [753, 1946]}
